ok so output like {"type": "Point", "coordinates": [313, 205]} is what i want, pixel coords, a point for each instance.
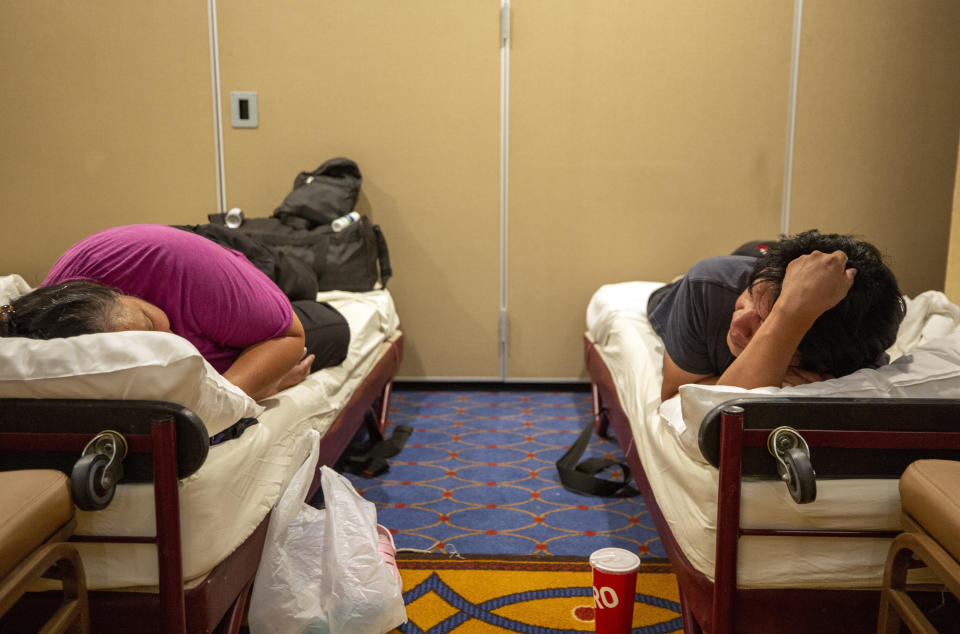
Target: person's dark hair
{"type": "Point", "coordinates": [855, 333]}
{"type": "Point", "coordinates": [71, 308]}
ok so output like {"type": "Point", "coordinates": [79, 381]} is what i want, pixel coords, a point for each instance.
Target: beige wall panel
{"type": "Point", "coordinates": [106, 120]}
{"type": "Point", "coordinates": [643, 136]}
{"type": "Point", "coordinates": [877, 118]}
{"type": "Point", "coordinates": [952, 288]}
{"type": "Point", "coordinates": [410, 91]}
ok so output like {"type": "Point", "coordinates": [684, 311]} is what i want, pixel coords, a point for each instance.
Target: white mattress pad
{"type": "Point", "coordinates": [227, 498]}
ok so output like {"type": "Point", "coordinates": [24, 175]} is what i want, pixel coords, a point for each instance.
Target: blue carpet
{"type": "Point", "coordinates": [478, 475]}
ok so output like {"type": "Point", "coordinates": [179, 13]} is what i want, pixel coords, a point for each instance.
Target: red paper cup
{"type": "Point", "coordinates": [614, 584]}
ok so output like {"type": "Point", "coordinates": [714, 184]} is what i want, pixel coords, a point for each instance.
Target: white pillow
{"type": "Point", "coordinates": [136, 365]}
{"type": "Point", "coordinates": [930, 315]}
{"type": "Point", "coordinates": [612, 300]}
{"type": "Point", "coordinates": [11, 287]}
{"type": "Point", "coordinates": [931, 370]}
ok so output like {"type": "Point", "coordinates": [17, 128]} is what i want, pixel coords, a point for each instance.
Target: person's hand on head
{"type": "Point", "coordinates": [814, 283]}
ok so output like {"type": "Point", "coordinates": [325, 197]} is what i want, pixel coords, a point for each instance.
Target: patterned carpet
{"type": "Point", "coordinates": [537, 595]}
{"type": "Point", "coordinates": [477, 476]}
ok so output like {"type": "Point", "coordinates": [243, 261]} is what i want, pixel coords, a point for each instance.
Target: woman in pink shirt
{"type": "Point", "coordinates": [154, 277]}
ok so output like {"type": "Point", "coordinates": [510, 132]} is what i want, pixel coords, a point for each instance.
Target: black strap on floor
{"type": "Point", "coordinates": [371, 460]}
{"type": "Point", "coordinates": [581, 478]}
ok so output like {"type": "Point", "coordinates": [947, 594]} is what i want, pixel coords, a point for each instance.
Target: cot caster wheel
{"type": "Point", "coordinates": [793, 463]}
{"type": "Point", "coordinates": [801, 480]}
{"type": "Point", "coordinates": [94, 478]}
{"type": "Point", "coordinates": [86, 483]}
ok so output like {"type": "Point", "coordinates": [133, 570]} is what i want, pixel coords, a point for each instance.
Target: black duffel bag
{"type": "Point", "coordinates": [299, 249]}
{"type": "Point", "coordinates": [304, 261]}
{"type": "Point", "coordinates": [352, 259]}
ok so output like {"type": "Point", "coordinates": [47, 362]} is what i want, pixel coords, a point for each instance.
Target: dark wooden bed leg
{"type": "Point", "coordinates": [728, 521]}
{"type": "Point", "coordinates": [690, 625]}
{"type": "Point", "coordinates": [233, 620]}
{"type": "Point", "coordinates": [166, 498]}
{"type": "Point", "coordinates": [385, 406]}
{"type": "Point", "coordinates": [600, 421]}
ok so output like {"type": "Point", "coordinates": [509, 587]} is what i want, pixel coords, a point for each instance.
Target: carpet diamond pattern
{"type": "Point", "coordinates": [478, 475]}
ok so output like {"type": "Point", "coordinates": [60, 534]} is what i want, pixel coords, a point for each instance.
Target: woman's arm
{"type": "Point", "coordinates": [264, 368]}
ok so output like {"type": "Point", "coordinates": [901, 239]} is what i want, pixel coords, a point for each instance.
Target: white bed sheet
{"type": "Point", "coordinates": [241, 480]}
{"type": "Point", "coordinates": [686, 489]}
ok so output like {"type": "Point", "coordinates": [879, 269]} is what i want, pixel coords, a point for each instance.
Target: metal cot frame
{"type": "Point", "coordinates": [718, 605]}
{"type": "Point", "coordinates": [218, 603]}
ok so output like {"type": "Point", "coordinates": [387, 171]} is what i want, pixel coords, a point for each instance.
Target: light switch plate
{"type": "Point", "coordinates": [244, 112]}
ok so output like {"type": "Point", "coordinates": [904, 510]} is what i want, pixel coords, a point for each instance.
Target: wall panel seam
{"type": "Point", "coordinates": [217, 117]}
{"type": "Point", "coordinates": [504, 178]}
{"type": "Point", "coordinates": [791, 118]}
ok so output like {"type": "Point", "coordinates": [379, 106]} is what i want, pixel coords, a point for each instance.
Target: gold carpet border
{"type": "Point", "coordinates": [438, 561]}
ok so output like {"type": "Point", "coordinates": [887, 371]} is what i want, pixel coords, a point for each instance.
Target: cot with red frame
{"type": "Point", "coordinates": [168, 574]}
{"type": "Point", "coordinates": [727, 586]}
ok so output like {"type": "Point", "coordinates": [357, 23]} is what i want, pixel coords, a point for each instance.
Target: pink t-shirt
{"type": "Point", "coordinates": [214, 297]}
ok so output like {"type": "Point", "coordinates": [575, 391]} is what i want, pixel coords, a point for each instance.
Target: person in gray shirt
{"type": "Point", "coordinates": [811, 307]}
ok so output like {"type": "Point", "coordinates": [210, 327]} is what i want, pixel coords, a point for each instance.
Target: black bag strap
{"type": "Point", "coordinates": [383, 255]}
{"type": "Point", "coordinates": [581, 478]}
{"type": "Point", "coordinates": [371, 460]}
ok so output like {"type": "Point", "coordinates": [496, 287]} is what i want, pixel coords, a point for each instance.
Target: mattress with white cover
{"type": "Point", "coordinates": [685, 486]}
{"type": "Point", "coordinates": [227, 498]}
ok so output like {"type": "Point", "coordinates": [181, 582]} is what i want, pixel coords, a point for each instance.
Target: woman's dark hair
{"type": "Point", "coordinates": [855, 333]}
{"type": "Point", "coordinates": [71, 308]}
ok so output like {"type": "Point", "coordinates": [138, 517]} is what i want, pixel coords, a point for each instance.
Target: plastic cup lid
{"type": "Point", "coordinates": [614, 560]}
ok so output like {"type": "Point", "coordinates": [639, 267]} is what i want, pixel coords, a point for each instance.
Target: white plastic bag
{"type": "Point", "coordinates": [320, 570]}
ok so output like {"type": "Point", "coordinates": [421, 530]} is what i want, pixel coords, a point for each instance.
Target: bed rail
{"type": "Point", "coordinates": [848, 438]}
{"type": "Point", "coordinates": [845, 432]}
{"type": "Point", "coordinates": [165, 442]}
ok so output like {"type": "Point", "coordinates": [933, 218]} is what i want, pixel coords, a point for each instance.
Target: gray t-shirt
{"type": "Point", "coordinates": [694, 316]}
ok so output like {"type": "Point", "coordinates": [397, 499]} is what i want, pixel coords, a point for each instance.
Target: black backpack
{"type": "Point", "coordinates": [352, 259]}
{"type": "Point", "coordinates": [320, 196]}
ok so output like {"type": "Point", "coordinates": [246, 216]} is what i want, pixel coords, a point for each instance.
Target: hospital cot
{"type": "Point", "coordinates": [178, 546]}
{"type": "Point", "coordinates": [748, 556]}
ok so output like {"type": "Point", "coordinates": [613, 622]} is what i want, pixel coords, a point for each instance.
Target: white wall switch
{"type": "Point", "coordinates": [243, 109]}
